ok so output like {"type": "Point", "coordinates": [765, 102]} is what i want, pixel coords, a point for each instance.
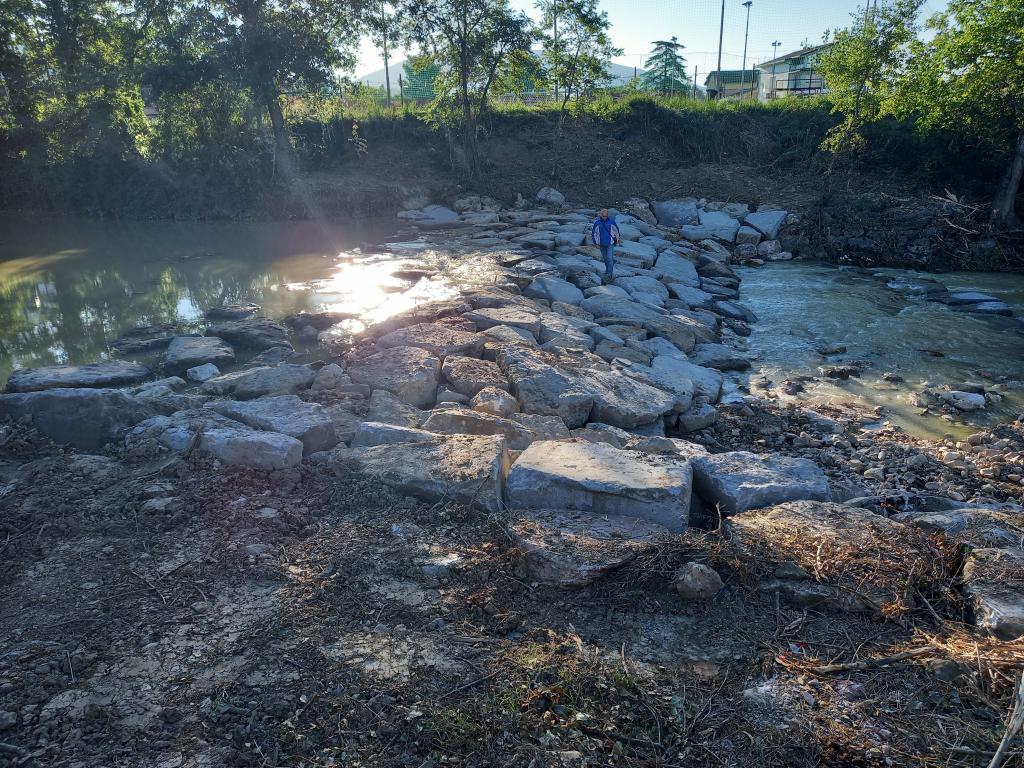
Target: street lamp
{"type": "Point", "coordinates": [775, 48]}
{"type": "Point", "coordinates": [743, 69]}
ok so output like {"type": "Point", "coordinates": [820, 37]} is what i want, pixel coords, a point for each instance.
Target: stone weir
{"type": "Point", "coordinates": [570, 404]}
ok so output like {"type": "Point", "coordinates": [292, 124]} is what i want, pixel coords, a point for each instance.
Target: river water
{"type": "Point", "coordinates": [70, 286]}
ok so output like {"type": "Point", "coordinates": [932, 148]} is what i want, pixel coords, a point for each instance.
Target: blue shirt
{"type": "Point", "coordinates": [601, 232]}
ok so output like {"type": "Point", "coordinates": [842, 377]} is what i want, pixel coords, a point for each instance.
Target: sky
{"type": "Point", "coordinates": [635, 23]}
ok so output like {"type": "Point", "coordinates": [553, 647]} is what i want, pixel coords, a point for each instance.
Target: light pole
{"type": "Point", "coordinates": [718, 74]}
{"type": "Point", "coordinates": [743, 69]}
{"type": "Point", "coordinates": [775, 49]}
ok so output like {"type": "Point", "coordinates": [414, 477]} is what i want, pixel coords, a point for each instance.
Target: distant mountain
{"type": "Point", "coordinates": [620, 75]}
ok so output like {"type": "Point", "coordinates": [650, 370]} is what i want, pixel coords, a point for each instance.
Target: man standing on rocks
{"type": "Point", "coordinates": [605, 234]}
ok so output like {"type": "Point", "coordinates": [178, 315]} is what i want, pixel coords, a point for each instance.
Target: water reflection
{"type": "Point", "coordinates": [69, 286]}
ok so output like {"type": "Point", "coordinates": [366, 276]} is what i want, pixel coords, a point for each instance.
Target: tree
{"type": "Point", "coordinates": [576, 47]}
{"type": "Point", "coordinates": [666, 68]}
{"type": "Point", "coordinates": [969, 78]}
{"type": "Point", "coordinates": [863, 66]}
{"type": "Point", "coordinates": [472, 40]}
{"type": "Point", "coordinates": [384, 22]}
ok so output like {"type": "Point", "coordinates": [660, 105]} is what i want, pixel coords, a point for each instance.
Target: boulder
{"type": "Point", "coordinates": [991, 579]}
{"type": "Point", "coordinates": [409, 373]}
{"type": "Point", "coordinates": [554, 289]}
{"type": "Point", "coordinates": [543, 389]}
{"type": "Point", "coordinates": [740, 480]}
{"type": "Point", "coordinates": [550, 196]}
{"type": "Point", "coordinates": [460, 468]}
{"type": "Point", "coordinates": [597, 478]}
{"type": "Point", "coordinates": [494, 401]}
{"type": "Point", "coordinates": [284, 379]}
{"type": "Point", "coordinates": [467, 375]}
{"type": "Point", "coordinates": [568, 548]}
{"type": "Point", "coordinates": [84, 418]}
{"type": "Point", "coordinates": [488, 317]}
{"type": "Point", "coordinates": [465, 421]}
{"type": "Point", "coordinates": [440, 339]}
{"type": "Point", "coordinates": [769, 248]}
{"type": "Point", "coordinates": [693, 297]}
{"type": "Point", "coordinates": [224, 439]}
{"type": "Point", "coordinates": [964, 401]}
{"type": "Point", "coordinates": [626, 402]}
{"type": "Point", "coordinates": [640, 285]}
{"type": "Point", "coordinates": [681, 376]}
{"type": "Point", "coordinates": [430, 215]}
{"type": "Point", "coordinates": [93, 375]}
{"type": "Point", "coordinates": [808, 537]}
{"type": "Point", "coordinates": [307, 422]}
{"type": "Point", "coordinates": [986, 308]}
{"type": "Point", "coordinates": [257, 333]}
{"type": "Point", "coordinates": [700, 416]}
{"type": "Point", "coordinates": [718, 356]}
{"type": "Point", "coordinates": [747, 235]}
{"type": "Point", "coordinates": [388, 409]}
{"type": "Point", "coordinates": [542, 427]}
{"type": "Point", "coordinates": [696, 581]}
{"type": "Point", "coordinates": [630, 250]}
{"type": "Point", "coordinates": [427, 312]}
{"type": "Point", "coordinates": [767, 223]}
{"type": "Point", "coordinates": [202, 373]}
{"type": "Point", "coordinates": [370, 433]}
{"type": "Point", "coordinates": [239, 311]}
{"type": "Point", "coordinates": [186, 352]}
{"type": "Point", "coordinates": [676, 213]}
{"type": "Point", "coordinates": [733, 310]}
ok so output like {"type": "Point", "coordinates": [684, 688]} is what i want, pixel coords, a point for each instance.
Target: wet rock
{"type": "Point", "coordinates": [468, 376]}
{"type": "Point", "coordinates": [321, 321]}
{"type": "Point", "coordinates": [734, 310]}
{"type": "Point", "coordinates": [541, 388]}
{"type": "Point", "coordinates": [94, 375]}
{"type": "Point", "coordinates": [965, 401]}
{"type": "Point", "coordinates": [594, 477]}
{"type": "Point", "coordinates": [718, 356]}
{"type": "Point", "coordinates": [839, 371]}
{"type": "Point", "coordinates": [201, 373]}
{"type": "Point", "coordinates": [768, 223]}
{"type": "Point", "coordinates": [495, 401]}
{"type": "Point", "coordinates": [569, 548]}
{"type": "Point", "coordinates": [986, 308]}
{"type": "Point", "coordinates": [284, 379]}
{"type": "Point", "coordinates": [84, 418]}
{"type": "Point", "coordinates": [428, 312]}
{"type": "Point", "coordinates": [740, 480]}
{"type": "Point", "coordinates": [287, 414]}
{"type": "Point", "coordinates": [242, 311]}
{"type": "Point", "coordinates": [430, 215]}
{"type": "Point", "coordinates": [222, 438]}
{"type": "Point", "coordinates": [257, 333]}
{"type": "Point", "coordinates": [460, 468]}
{"type": "Point", "coordinates": [409, 373]}
{"type": "Point", "coordinates": [696, 581]}
{"type": "Point", "coordinates": [186, 352]}
{"type": "Point", "coordinates": [465, 421]}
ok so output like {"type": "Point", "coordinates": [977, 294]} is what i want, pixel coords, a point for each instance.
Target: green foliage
{"type": "Point", "coordinates": [666, 69]}
{"type": "Point", "coordinates": [575, 58]}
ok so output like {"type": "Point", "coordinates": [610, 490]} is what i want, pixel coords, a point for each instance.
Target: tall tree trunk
{"type": "Point", "coordinates": [468, 120]}
{"type": "Point", "coordinates": [1003, 206]}
{"type": "Point", "coordinates": [273, 104]}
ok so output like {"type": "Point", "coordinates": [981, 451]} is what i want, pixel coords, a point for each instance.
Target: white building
{"type": "Point", "coordinates": [793, 74]}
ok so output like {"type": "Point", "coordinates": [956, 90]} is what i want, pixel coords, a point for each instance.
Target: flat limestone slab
{"type": "Point", "coordinates": [186, 352]}
{"type": "Point", "coordinates": [740, 480]}
{"type": "Point", "coordinates": [568, 548]}
{"type": "Point", "coordinates": [287, 414]}
{"type": "Point", "coordinates": [461, 468]}
{"type": "Point", "coordinates": [93, 375]}
{"type": "Point", "coordinates": [437, 338]}
{"type": "Point", "coordinates": [595, 477]}
{"type": "Point", "coordinates": [409, 373]}
{"type": "Point", "coordinates": [989, 577]}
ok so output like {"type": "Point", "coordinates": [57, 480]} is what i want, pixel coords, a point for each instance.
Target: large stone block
{"type": "Point", "coordinates": [466, 421]}
{"type": "Point", "coordinates": [543, 389]}
{"type": "Point", "coordinates": [409, 373]}
{"type": "Point", "coordinates": [740, 480]}
{"type": "Point", "coordinates": [439, 339]}
{"type": "Point", "coordinates": [594, 477]}
{"type": "Point", "coordinates": [186, 352]}
{"type": "Point", "coordinates": [93, 375]}
{"type": "Point", "coordinates": [307, 422]}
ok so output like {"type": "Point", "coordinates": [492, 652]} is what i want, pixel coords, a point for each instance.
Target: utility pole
{"type": "Point", "coordinates": [554, 41]}
{"type": "Point", "coordinates": [721, 32]}
{"type": "Point", "coordinates": [694, 82]}
{"type": "Point", "coordinates": [743, 69]}
{"type": "Point", "coordinates": [775, 49]}
{"type": "Point", "coordinates": [385, 30]}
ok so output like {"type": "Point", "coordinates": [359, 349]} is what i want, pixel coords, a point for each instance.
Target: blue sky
{"type": "Point", "coordinates": [635, 23]}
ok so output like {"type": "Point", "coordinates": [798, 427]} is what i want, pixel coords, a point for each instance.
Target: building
{"type": "Point", "coordinates": [735, 84]}
{"type": "Point", "coordinates": [793, 74]}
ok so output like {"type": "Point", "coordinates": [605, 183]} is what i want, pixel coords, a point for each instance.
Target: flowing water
{"type": "Point", "coordinates": [70, 286]}
{"type": "Point", "coordinates": [880, 320]}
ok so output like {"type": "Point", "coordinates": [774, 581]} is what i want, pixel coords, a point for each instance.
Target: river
{"type": "Point", "coordinates": [70, 286]}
